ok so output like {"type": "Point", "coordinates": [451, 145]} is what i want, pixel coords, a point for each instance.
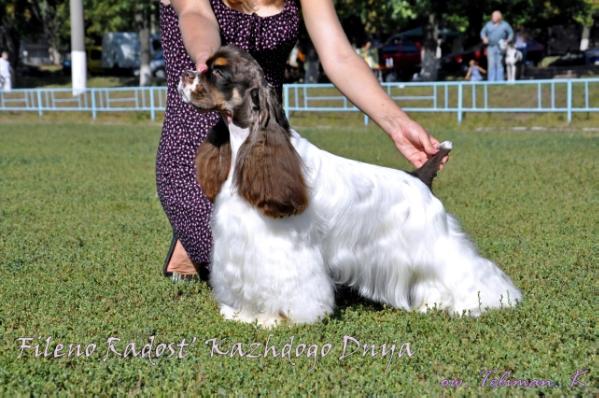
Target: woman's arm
{"type": "Point", "coordinates": [356, 81]}
{"type": "Point", "coordinates": [199, 29]}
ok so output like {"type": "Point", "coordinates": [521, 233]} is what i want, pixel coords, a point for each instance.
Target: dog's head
{"type": "Point", "coordinates": [268, 170]}
{"type": "Point", "coordinates": [233, 84]}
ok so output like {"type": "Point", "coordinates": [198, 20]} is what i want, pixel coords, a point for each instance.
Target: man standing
{"type": "Point", "coordinates": [496, 34]}
{"type": "Point", "coordinates": [5, 73]}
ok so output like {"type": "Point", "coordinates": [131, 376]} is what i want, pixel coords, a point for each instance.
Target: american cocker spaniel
{"type": "Point", "coordinates": [291, 221]}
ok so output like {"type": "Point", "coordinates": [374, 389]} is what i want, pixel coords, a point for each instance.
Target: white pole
{"type": "Point", "coordinates": [78, 59]}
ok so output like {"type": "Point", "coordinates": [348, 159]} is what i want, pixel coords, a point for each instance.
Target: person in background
{"type": "Point", "coordinates": [512, 57]}
{"type": "Point", "coordinates": [496, 34]}
{"type": "Point", "coordinates": [521, 43]}
{"type": "Point", "coordinates": [475, 72]}
{"type": "Point", "coordinates": [5, 73]}
{"type": "Point", "coordinates": [371, 56]}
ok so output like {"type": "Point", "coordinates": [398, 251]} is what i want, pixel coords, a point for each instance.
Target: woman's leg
{"type": "Point", "coordinates": [187, 209]}
{"type": "Point", "coordinates": [185, 205]}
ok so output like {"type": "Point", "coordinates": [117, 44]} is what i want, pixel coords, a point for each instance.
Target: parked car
{"type": "Point", "coordinates": [157, 66]}
{"type": "Point", "coordinates": [592, 56]}
{"type": "Point", "coordinates": [456, 64]}
{"type": "Point", "coordinates": [121, 50]}
{"type": "Point", "coordinates": [93, 59]}
{"type": "Point", "coordinates": [399, 59]}
{"type": "Point", "coordinates": [589, 57]}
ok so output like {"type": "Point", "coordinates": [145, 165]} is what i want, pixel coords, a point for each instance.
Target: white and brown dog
{"type": "Point", "coordinates": [291, 221]}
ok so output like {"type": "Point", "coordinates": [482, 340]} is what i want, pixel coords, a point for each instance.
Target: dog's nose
{"type": "Point", "coordinates": [188, 76]}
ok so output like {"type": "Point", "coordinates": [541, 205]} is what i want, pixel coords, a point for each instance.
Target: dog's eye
{"type": "Point", "coordinates": [216, 74]}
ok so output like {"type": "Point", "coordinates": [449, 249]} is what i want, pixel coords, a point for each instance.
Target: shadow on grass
{"type": "Point", "coordinates": [346, 297]}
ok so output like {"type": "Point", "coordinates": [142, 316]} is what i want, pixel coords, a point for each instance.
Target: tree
{"type": "Point", "coordinates": [51, 15]}
{"type": "Point", "coordinates": [15, 21]}
{"type": "Point", "coordinates": [586, 18]}
{"type": "Point", "coordinates": [142, 20]}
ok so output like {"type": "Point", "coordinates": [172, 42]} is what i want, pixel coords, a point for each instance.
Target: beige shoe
{"type": "Point", "coordinates": [183, 269]}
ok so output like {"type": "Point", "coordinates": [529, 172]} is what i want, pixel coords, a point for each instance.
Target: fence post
{"type": "Point", "coordinates": [152, 108]}
{"type": "Point", "coordinates": [460, 102]}
{"type": "Point", "coordinates": [569, 101]}
{"type": "Point", "coordinates": [39, 103]}
{"type": "Point", "coordinates": [366, 119]}
{"type": "Point", "coordinates": [286, 100]}
{"type": "Point", "coordinates": [486, 95]}
{"type": "Point", "coordinates": [586, 95]}
{"type": "Point", "coordinates": [93, 94]}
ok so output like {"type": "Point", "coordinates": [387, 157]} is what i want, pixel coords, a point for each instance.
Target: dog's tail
{"type": "Point", "coordinates": [428, 171]}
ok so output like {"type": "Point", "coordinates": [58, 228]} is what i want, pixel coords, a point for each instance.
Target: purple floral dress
{"type": "Point", "coordinates": [269, 40]}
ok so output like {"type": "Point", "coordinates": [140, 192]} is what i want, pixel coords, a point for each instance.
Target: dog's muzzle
{"type": "Point", "coordinates": [188, 83]}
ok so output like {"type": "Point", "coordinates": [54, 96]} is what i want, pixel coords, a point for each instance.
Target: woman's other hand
{"type": "Point", "coordinates": [415, 143]}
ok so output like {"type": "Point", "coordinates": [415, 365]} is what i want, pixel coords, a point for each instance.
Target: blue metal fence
{"type": "Point", "coordinates": [567, 96]}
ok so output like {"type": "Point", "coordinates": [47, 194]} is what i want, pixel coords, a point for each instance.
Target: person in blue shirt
{"type": "Point", "coordinates": [496, 34]}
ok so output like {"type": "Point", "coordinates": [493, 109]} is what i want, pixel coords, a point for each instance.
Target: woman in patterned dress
{"type": "Point", "coordinates": [192, 30]}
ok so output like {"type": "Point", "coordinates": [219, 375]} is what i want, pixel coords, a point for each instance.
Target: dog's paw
{"type": "Point", "coordinates": [268, 321]}
{"type": "Point", "coordinates": [229, 313]}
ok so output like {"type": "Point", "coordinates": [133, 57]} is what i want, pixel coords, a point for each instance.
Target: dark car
{"type": "Point", "coordinates": [589, 57]}
{"type": "Point", "coordinates": [399, 59]}
{"type": "Point", "coordinates": [456, 64]}
{"type": "Point", "coordinates": [592, 56]}
{"type": "Point", "coordinates": [157, 66]}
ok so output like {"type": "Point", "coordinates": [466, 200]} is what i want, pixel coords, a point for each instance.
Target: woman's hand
{"type": "Point", "coordinates": [201, 65]}
{"type": "Point", "coordinates": [415, 143]}
{"type": "Point", "coordinates": [200, 60]}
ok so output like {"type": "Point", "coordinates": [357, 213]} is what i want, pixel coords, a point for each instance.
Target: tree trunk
{"type": "Point", "coordinates": [145, 73]}
{"type": "Point", "coordinates": [430, 62]}
{"type": "Point", "coordinates": [78, 57]}
{"type": "Point", "coordinates": [584, 41]}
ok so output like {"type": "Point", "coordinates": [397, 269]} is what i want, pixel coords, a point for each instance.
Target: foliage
{"type": "Point", "coordinates": [465, 15]}
{"type": "Point", "coordinates": [587, 13]}
{"type": "Point", "coordinates": [82, 238]}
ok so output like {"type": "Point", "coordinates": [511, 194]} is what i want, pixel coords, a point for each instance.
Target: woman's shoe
{"type": "Point", "coordinates": [169, 255]}
{"type": "Point", "coordinates": [202, 271]}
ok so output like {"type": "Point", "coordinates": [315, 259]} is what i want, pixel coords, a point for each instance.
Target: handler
{"type": "Point", "coordinates": [496, 34]}
{"type": "Point", "coordinates": [191, 31]}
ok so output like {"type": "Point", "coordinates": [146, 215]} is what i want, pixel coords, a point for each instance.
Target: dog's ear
{"type": "Point", "coordinates": [269, 171]}
{"type": "Point", "coordinates": [213, 160]}
{"type": "Point", "coordinates": [265, 102]}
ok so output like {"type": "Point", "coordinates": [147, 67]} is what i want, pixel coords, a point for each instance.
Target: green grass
{"type": "Point", "coordinates": [83, 237]}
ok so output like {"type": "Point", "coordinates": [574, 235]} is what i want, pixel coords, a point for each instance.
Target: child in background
{"type": "Point", "coordinates": [475, 72]}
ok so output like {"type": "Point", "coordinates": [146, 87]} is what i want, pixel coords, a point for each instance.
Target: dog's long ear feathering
{"type": "Point", "coordinates": [213, 160]}
{"type": "Point", "coordinates": [269, 172]}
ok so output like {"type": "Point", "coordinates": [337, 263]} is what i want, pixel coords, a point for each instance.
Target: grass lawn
{"type": "Point", "coordinates": [83, 237]}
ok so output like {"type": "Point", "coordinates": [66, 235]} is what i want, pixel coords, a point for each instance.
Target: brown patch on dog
{"type": "Point", "coordinates": [269, 171]}
{"type": "Point", "coordinates": [213, 160]}
{"type": "Point", "coordinates": [220, 61]}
